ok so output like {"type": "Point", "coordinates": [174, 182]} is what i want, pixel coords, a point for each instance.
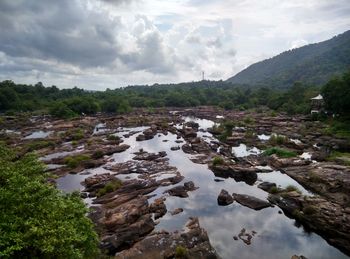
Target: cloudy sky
{"type": "Point", "coordinates": [95, 44]}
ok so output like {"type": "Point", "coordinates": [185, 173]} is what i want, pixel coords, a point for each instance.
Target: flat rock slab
{"type": "Point", "coordinates": [251, 201]}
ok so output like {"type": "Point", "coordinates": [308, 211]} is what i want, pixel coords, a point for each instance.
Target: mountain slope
{"type": "Point", "coordinates": [311, 64]}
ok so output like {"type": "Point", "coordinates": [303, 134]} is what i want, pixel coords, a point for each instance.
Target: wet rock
{"type": "Point", "coordinates": [298, 257]}
{"type": "Point", "coordinates": [285, 162]}
{"type": "Point", "coordinates": [160, 245]}
{"type": "Point", "coordinates": [266, 186]}
{"type": "Point", "coordinates": [245, 236]}
{"type": "Point", "coordinates": [175, 148]}
{"type": "Point", "coordinates": [126, 236]}
{"type": "Point", "coordinates": [251, 201]}
{"type": "Point", "coordinates": [158, 208]}
{"type": "Point", "coordinates": [186, 148]}
{"type": "Point", "coordinates": [240, 174]}
{"type": "Point", "coordinates": [149, 156]}
{"type": "Point", "coordinates": [181, 191]}
{"type": "Point", "coordinates": [176, 211]}
{"type": "Point", "coordinates": [192, 124]}
{"type": "Point", "coordinates": [224, 198]}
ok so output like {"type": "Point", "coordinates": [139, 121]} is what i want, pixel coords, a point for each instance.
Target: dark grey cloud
{"type": "Point", "coordinates": [60, 30]}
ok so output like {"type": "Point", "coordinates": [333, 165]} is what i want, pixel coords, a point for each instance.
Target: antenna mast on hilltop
{"type": "Point", "coordinates": [202, 75]}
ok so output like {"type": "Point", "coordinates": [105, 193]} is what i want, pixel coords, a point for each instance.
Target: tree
{"type": "Point", "coordinates": [36, 219]}
{"type": "Point", "coordinates": [336, 94]}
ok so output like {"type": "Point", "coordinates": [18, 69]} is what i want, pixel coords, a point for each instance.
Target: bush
{"type": "Point", "coordinates": [74, 161]}
{"type": "Point", "coordinates": [109, 187]}
{"type": "Point", "coordinates": [36, 219]}
{"type": "Point", "coordinates": [61, 110]}
{"type": "Point", "coordinates": [218, 160]}
{"type": "Point", "coordinates": [282, 153]}
{"type": "Point", "coordinates": [274, 190]}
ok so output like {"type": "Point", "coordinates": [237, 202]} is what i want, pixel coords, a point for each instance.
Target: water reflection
{"type": "Point", "coordinates": [277, 236]}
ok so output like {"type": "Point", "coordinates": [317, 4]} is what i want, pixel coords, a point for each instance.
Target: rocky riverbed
{"type": "Point", "coordinates": [168, 183]}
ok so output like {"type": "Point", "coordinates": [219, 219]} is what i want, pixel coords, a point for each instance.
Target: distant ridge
{"type": "Point", "coordinates": [313, 64]}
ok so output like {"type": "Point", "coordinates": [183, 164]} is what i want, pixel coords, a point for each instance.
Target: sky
{"type": "Point", "coordinates": [99, 44]}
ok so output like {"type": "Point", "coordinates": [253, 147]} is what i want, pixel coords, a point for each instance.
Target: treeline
{"type": "Point", "coordinates": [67, 103]}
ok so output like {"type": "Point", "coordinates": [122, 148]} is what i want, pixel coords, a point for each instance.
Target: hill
{"type": "Point", "coordinates": [311, 64]}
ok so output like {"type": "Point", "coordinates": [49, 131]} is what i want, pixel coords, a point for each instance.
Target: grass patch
{"type": "Point", "coordinates": [315, 178]}
{"type": "Point", "coordinates": [291, 188]}
{"type": "Point", "coordinates": [97, 154]}
{"type": "Point", "coordinates": [274, 190]}
{"type": "Point", "coordinates": [282, 153]}
{"type": "Point", "coordinates": [341, 157]}
{"type": "Point", "coordinates": [218, 161]}
{"type": "Point", "coordinates": [74, 161]}
{"type": "Point", "coordinates": [109, 187]}
{"type": "Point", "coordinates": [39, 145]}
{"type": "Point", "coordinates": [113, 137]}
{"type": "Point", "coordinates": [278, 140]}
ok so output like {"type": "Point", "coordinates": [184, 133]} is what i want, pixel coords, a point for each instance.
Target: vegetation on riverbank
{"type": "Point", "coordinates": [36, 219]}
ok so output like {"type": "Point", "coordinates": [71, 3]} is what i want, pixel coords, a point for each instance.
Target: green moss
{"type": "Point", "coordinates": [74, 161]}
{"type": "Point", "coordinates": [340, 157]}
{"type": "Point", "coordinates": [282, 153]}
{"type": "Point", "coordinates": [109, 187]}
{"type": "Point", "coordinates": [218, 161]}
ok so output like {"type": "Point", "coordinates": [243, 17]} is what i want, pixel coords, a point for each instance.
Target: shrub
{"type": "Point", "coordinates": [180, 252]}
{"type": "Point", "coordinates": [113, 137]}
{"type": "Point", "coordinates": [109, 187]}
{"type": "Point", "coordinates": [74, 161]}
{"type": "Point", "coordinates": [218, 160]}
{"type": "Point", "coordinates": [282, 153]}
{"type": "Point", "coordinates": [36, 219]}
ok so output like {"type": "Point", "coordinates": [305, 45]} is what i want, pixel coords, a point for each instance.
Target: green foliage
{"type": "Point", "coordinates": [109, 187]}
{"type": "Point", "coordinates": [113, 137]}
{"type": "Point", "coordinates": [37, 220]}
{"type": "Point", "coordinates": [282, 153]}
{"type": "Point", "coordinates": [339, 157]}
{"type": "Point", "coordinates": [218, 161]}
{"type": "Point", "coordinates": [74, 161]}
{"type": "Point", "coordinates": [61, 110]}
{"type": "Point", "coordinates": [180, 252]}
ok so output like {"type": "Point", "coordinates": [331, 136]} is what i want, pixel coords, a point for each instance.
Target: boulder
{"type": "Point", "coordinates": [224, 198]}
{"type": "Point", "coordinates": [251, 201]}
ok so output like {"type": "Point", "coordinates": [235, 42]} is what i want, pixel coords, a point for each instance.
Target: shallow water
{"type": "Point", "coordinates": [277, 235]}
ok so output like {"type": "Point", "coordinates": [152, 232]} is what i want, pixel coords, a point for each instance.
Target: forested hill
{"type": "Point", "coordinates": [313, 64]}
